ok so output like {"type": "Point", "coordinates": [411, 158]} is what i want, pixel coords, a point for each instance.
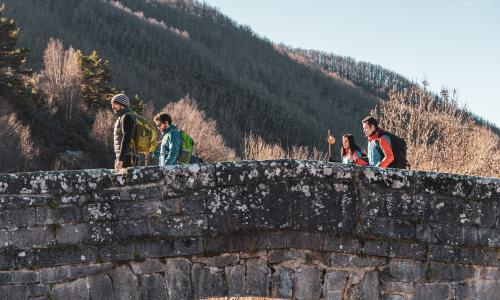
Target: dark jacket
{"type": "Point", "coordinates": [123, 134]}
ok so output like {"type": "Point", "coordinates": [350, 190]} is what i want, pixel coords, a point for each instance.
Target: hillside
{"type": "Point", "coordinates": [163, 50]}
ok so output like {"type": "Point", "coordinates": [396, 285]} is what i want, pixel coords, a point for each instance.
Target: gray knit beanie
{"type": "Point", "coordinates": [121, 98]}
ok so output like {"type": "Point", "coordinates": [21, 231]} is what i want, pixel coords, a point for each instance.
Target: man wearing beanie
{"type": "Point", "coordinates": [123, 132]}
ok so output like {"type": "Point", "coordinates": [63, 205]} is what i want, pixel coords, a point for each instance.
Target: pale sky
{"type": "Point", "coordinates": [450, 43]}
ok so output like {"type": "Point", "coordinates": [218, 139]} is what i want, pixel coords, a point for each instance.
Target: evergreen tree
{"type": "Point", "coordinates": [11, 57]}
{"type": "Point", "coordinates": [96, 88]}
{"type": "Point", "coordinates": [137, 105]}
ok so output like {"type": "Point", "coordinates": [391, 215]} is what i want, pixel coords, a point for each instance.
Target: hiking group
{"type": "Point", "coordinates": [133, 135]}
{"type": "Point", "coordinates": [385, 149]}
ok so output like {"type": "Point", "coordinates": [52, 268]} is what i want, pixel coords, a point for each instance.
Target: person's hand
{"type": "Point", "coordinates": [118, 165]}
{"type": "Point", "coordinates": [350, 158]}
{"type": "Point", "coordinates": [331, 140]}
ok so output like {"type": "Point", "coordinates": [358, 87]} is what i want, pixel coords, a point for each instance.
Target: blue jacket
{"type": "Point", "coordinates": [379, 150]}
{"type": "Point", "coordinates": [170, 146]}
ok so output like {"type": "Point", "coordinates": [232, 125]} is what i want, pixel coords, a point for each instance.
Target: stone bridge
{"type": "Point", "coordinates": [276, 229]}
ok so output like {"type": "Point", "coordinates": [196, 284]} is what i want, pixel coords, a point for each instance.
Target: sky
{"type": "Point", "coordinates": [453, 44]}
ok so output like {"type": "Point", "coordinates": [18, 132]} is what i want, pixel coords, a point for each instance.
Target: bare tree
{"type": "Point", "coordinates": [209, 144]}
{"type": "Point", "coordinates": [60, 79]}
{"type": "Point", "coordinates": [441, 136]}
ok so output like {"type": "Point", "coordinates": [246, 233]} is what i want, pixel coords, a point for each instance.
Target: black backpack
{"type": "Point", "coordinates": [398, 146]}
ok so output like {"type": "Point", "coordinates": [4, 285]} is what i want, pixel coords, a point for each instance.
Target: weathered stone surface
{"type": "Point", "coordinates": [125, 283]}
{"type": "Point", "coordinates": [448, 272]}
{"type": "Point", "coordinates": [153, 287]}
{"type": "Point", "coordinates": [308, 283]}
{"type": "Point", "coordinates": [147, 266]}
{"type": "Point", "coordinates": [282, 283]}
{"type": "Point", "coordinates": [235, 276]}
{"type": "Point", "coordinates": [18, 277]}
{"type": "Point", "coordinates": [388, 228]}
{"type": "Point", "coordinates": [483, 290]}
{"type": "Point", "coordinates": [13, 292]}
{"type": "Point", "coordinates": [72, 234]}
{"type": "Point", "coordinates": [100, 287]}
{"type": "Point", "coordinates": [398, 287]}
{"type": "Point", "coordinates": [208, 282]}
{"type": "Point", "coordinates": [432, 291]}
{"type": "Point", "coordinates": [77, 289]}
{"type": "Point", "coordinates": [349, 260]}
{"type": "Point", "coordinates": [222, 260]}
{"type": "Point", "coordinates": [278, 256]}
{"type": "Point", "coordinates": [407, 270]}
{"type": "Point", "coordinates": [178, 278]}
{"type": "Point", "coordinates": [258, 278]}
{"type": "Point", "coordinates": [367, 288]}
{"type": "Point", "coordinates": [334, 285]}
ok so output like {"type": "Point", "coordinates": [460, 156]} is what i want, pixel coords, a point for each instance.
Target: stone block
{"type": "Point", "coordinates": [488, 237]}
{"type": "Point", "coordinates": [407, 249]}
{"type": "Point", "coordinates": [424, 291]}
{"type": "Point", "coordinates": [341, 244]}
{"type": "Point", "coordinates": [178, 278]}
{"type": "Point", "coordinates": [376, 248]}
{"type": "Point", "coordinates": [117, 251]}
{"type": "Point", "coordinates": [208, 282]}
{"type": "Point", "coordinates": [235, 276]}
{"type": "Point", "coordinates": [478, 290]}
{"type": "Point", "coordinates": [454, 185]}
{"type": "Point", "coordinates": [18, 277]}
{"type": "Point", "coordinates": [125, 283]}
{"type": "Point", "coordinates": [350, 260]}
{"type": "Point", "coordinates": [304, 240]}
{"type": "Point", "coordinates": [318, 206]}
{"type": "Point", "coordinates": [393, 179]}
{"type": "Point", "coordinates": [133, 229]}
{"type": "Point", "coordinates": [258, 278]}
{"type": "Point", "coordinates": [190, 177]}
{"type": "Point", "coordinates": [388, 228]}
{"type": "Point", "coordinates": [439, 272]}
{"type": "Point", "coordinates": [239, 208]}
{"type": "Point", "coordinates": [282, 283]}
{"type": "Point", "coordinates": [37, 290]}
{"type": "Point", "coordinates": [482, 213]}
{"type": "Point", "coordinates": [308, 283]}
{"type": "Point", "coordinates": [334, 285]}
{"type": "Point", "coordinates": [77, 289]}
{"type": "Point", "coordinates": [17, 218]}
{"type": "Point", "coordinates": [153, 287]}
{"type": "Point", "coordinates": [367, 288]}
{"type": "Point", "coordinates": [223, 260]}
{"type": "Point", "coordinates": [147, 266]}
{"type": "Point", "coordinates": [193, 204]}
{"type": "Point", "coordinates": [57, 215]}
{"type": "Point", "coordinates": [100, 287]}
{"type": "Point", "coordinates": [72, 234]}
{"type": "Point", "coordinates": [13, 292]}
{"type": "Point", "coordinates": [174, 226]}
{"type": "Point", "coordinates": [270, 240]}
{"type": "Point", "coordinates": [34, 237]}
{"type": "Point", "coordinates": [398, 287]}
{"type": "Point", "coordinates": [402, 270]}
{"type": "Point", "coordinates": [169, 247]}
{"type": "Point", "coordinates": [281, 255]}
{"type": "Point", "coordinates": [24, 201]}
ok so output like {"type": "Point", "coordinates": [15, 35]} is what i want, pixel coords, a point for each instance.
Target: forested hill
{"type": "Point", "coordinates": [163, 50]}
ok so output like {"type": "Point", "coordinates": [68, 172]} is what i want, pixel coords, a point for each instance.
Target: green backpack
{"type": "Point", "coordinates": [186, 151]}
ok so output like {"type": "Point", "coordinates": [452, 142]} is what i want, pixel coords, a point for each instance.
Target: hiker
{"type": "Point", "coordinates": [379, 144]}
{"type": "Point", "coordinates": [123, 133]}
{"type": "Point", "coordinates": [351, 153]}
{"type": "Point", "coordinates": [171, 140]}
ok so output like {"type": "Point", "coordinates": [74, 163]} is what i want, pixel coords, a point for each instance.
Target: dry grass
{"type": "Point", "coordinates": [209, 144]}
{"type": "Point", "coordinates": [255, 148]}
{"type": "Point", "coordinates": [441, 136]}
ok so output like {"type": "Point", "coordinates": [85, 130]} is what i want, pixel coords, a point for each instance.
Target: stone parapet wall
{"type": "Point", "coordinates": [290, 229]}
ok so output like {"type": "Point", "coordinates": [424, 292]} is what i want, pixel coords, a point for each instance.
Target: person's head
{"type": "Point", "coordinates": [370, 126]}
{"type": "Point", "coordinates": [119, 102]}
{"type": "Point", "coordinates": [163, 121]}
{"type": "Point", "coordinates": [348, 144]}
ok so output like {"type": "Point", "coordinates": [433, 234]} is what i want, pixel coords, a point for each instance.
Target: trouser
{"type": "Point", "coordinates": [129, 161]}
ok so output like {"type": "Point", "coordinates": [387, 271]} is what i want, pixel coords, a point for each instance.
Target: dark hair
{"type": "Point", "coordinates": [163, 117]}
{"type": "Point", "coordinates": [352, 145]}
{"type": "Point", "coordinates": [370, 120]}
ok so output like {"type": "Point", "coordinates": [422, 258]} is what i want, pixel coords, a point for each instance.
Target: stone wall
{"type": "Point", "coordinates": [285, 229]}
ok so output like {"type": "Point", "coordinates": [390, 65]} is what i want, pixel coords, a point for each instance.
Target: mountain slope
{"type": "Point", "coordinates": [163, 50]}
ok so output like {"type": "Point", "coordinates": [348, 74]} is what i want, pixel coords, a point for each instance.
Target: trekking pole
{"type": "Point", "coordinates": [331, 140]}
